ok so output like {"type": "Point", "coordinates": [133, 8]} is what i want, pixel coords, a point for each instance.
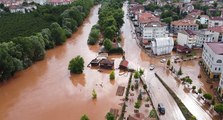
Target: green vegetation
{"type": "Point", "coordinates": [183, 108]}
{"type": "Point", "coordinates": [153, 114]}
{"type": "Point", "coordinates": [76, 65]}
{"type": "Point", "coordinates": [107, 44]}
{"type": "Point", "coordinates": [85, 117]}
{"type": "Point", "coordinates": [140, 1]}
{"type": "Point", "coordinates": [137, 104]}
{"type": "Point", "coordinates": [187, 79]}
{"type": "Point", "coordinates": [199, 91]}
{"type": "Point", "coordinates": [136, 74]}
{"type": "Point", "coordinates": [180, 72]}
{"type": "Point", "coordinates": [94, 94]}
{"type": "Point", "coordinates": [219, 108]}
{"type": "Point", "coordinates": [169, 12]}
{"type": "Point", "coordinates": [94, 35]}
{"type": "Point", "coordinates": [207, 96]}
{"type": "Point", "coordinates": [23, 40]}
{"type": "Point", "coordinates": [110, 116]}
{"type": "Point", "coordinates": [141, 72]}
{"type": "Point", "coordinates": [110, 21]}
{"type": "Point", "coordinates": [168, 62]}
{"type": "Point", "coordinates": [193, 87]}
{"type": "Point", "coordinates": [112, 75]}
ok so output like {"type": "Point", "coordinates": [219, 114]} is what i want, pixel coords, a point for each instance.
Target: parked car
{"type": "Point", "coordinates": [163, 60]}
{"type": "Point", "coordinates": [161, 108]}
{"type": "Point", "coordinates": [152, 67]}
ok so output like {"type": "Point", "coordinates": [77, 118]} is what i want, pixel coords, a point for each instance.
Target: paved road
{"type": "Point", "coordinates": [159, 94]}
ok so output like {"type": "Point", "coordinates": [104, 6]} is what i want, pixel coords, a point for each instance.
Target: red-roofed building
{"type": "Point", "coordinates": [183, 25]}
{"type": "Point", "coordinates": [215, 21]}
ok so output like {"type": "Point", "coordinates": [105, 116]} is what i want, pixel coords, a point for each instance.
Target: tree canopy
{"type": "Point", "coordinates": [76, 65]}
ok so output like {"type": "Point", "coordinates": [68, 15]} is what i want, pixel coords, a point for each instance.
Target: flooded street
{"type": "Point", "coordinates": [47, 90]}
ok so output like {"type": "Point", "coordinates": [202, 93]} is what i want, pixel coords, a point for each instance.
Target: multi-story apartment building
{"type": "Point", "coordinates": [183, 25]}
{"type": "Point", "coordinates": [186, 38]}
{"type": "Point", "coordinates": [212, 56]}
{"type": "Point", "coordinates": [203, 36]}
{"type": "Point", "coordinates": [153, 29]}
{"type": "Point", "coordinates": [218, 33]}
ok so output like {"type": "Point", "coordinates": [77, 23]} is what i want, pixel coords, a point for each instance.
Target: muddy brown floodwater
{"type": "Point", "coordinates": [47, 91]}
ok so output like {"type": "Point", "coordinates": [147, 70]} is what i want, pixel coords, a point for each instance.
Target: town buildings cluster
{"type": "Point", "coordinates": [198, 29]}
{"type": "Point", "coordinates": [25, 6]}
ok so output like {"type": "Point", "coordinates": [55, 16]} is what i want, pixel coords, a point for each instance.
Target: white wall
{"type": "Point", "coordinates": [211, 58]}
{"type": "Point", "coordinates": [153, 32]}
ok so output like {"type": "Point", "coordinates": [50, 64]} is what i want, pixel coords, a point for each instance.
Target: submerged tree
{"type": "Point", "coordinates": [76, 65]}
{"type": "Point", "coordinates": [85, 117]}
{"type": "Point", "coordinates": [110, 116]}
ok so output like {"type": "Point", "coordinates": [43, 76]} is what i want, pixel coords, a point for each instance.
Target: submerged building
{"type": "Point", "coordinates": [161, 46]}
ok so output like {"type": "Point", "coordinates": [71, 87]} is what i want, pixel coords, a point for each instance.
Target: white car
{"type": "Point", "coordinates": [151, 67]}
{"type": "Point", "coordinates": [163, 60]}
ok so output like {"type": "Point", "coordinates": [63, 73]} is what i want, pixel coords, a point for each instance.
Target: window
{"type": "Point", "coordinates": [219, 69]}
{"type": "Point", "coordinates": [215, 68]}
{"type": "Point", "coordinates": [219, 61]}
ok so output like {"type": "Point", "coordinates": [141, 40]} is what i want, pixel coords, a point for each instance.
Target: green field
{"type": "Point", "coordinates": [14, 25]}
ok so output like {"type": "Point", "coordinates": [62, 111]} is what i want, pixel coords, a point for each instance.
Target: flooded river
{"type": "Point", "coordinates": [47, 90]}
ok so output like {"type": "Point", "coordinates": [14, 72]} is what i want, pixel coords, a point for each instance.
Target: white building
{"type": "Point", "coordinates": [218, 33]}
{"type": "Point", "coordinates": [186, 1]}
{"type": "Point", "coordinates": [204, 19]}
{"type": "Point", "coordinates": [183, 25]}
{"type": "Point", "coordinates": [204, 36]}
{"type": "Point", "coordinates": [215, 21]}
{"type": "Point", "coordinates": [161, 46]}
{"type": "Point", "coordinates": [41, 2]}
{"type": "Point", "coordinates": [212, 56]}
{"type": "Point", "coordinates": [153, 29]}
{"type": "Point", "coordinates": [186, 38]}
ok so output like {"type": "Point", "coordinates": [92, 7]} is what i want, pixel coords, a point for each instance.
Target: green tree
{"type": "Point", "coordinates": [137, 104]}
{"type": "Point", "coordinates": [94, 94]}
{"type": "Point", "coordinates": [180, 72]}
{"type": "Point", "coordinates": [107, 44]}
{"type": "Point", "coordinates": [168, 62]}
{"type": "Point", "coordinates": [219, 108]}
{"type": "Point", "coordinates": [136, 74]}
{"type": "Point", "coordinates": [112, 75]}
{"type": "Point", "coordinates": [76, 65]}
{"type": "Point", "coordinates": [85, 117]}
{"type": "Point", "coordinates": [167, 20]}
{"type": "Point", "coordinates": [207, 96]}
{"type": "Point", "coordinates": [110, 116]}
{"type": "Point", "coordinates": [199, 91]}
{"type": "Point", "coordinates": [57, 34]}
{"type": "Point", "coordinates": [141, 72]}
{"type": "Point", "coordinates": [110, 32]}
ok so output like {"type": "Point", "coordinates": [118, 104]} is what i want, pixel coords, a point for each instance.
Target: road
{"type": "Point", "coordinates": [158, 92]}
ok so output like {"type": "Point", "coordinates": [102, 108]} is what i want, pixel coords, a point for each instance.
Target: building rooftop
{"type": "Point", "coordinates": [155, 24]}
{"type": "Point", "coordinates": [147, 17]}
{"type": "Point", "coordinates": [188, 32]}
{"type": "Point", "coordinates": [216, 29]}
{"type": "Point", "coordinates": [216, 18]}
{"type": "Point", "coordinates": [184, 22]}
{"type": "Point", "coordinates": [216, 47]}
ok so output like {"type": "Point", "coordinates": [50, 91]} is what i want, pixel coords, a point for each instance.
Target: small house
{"type": "Point", "coordinates": [123, 65]}
{"type": "Point", "coordinates": [106, 64]}
{"type": "Point", "coordinates": [95, 62]}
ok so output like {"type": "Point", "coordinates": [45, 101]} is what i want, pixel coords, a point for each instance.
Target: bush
{"type": "Point", "coordinates": [112, 75]}
{"type": "Point", "coordinates": [110, 116]}
{"type": "Point", "coordinates": [207, 96]}
{"type": "Point", "coordinates": [141, 72]}
{"type": "Point", "coordinates": [94, 94]}
{"type": "Point", "coordinates": [136, 75]}
{"type": "Point", "coordinates": [199, 91]}
{"type": "Point", "coordinates": [180, 72]}
{"type": "Point", "coordinates": [218, 108]}
{"type": "Point", "coordinates": [193, 87]}
{"type": "Point", "coordinates": [84, 117]}
{"type": "Point", "coordinates": [137, 104]}
{"type": "Point", "coordinates": [76, 65]}
{"type": "Point", "coordinates": [153, 114]}
{"type": "Point", "coordinates": [168, 62]}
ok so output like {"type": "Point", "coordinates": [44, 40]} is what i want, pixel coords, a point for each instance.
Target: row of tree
{"type": "Point", "coordinates": [94, 35]}
{"type": "Point", "coordinates": [110, 21]}
{"type": "Point", "coordinates": [21, 52]}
